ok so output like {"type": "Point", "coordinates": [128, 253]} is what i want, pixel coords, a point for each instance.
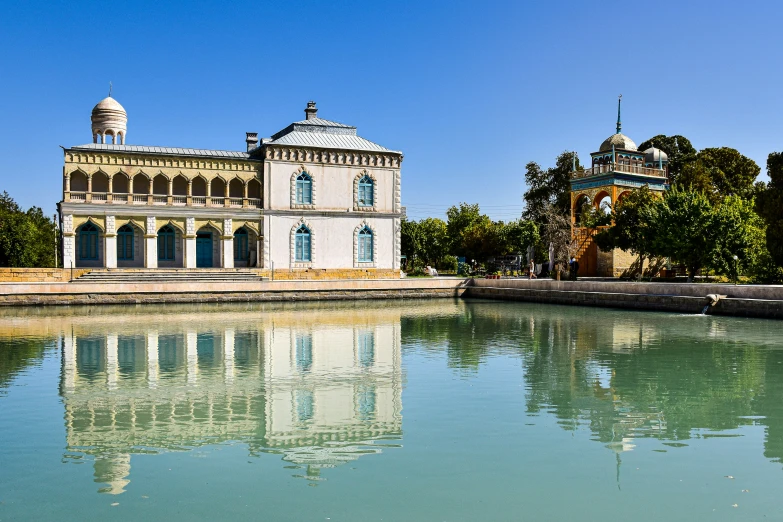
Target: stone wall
{"type": "Point", "coordinates": [323, 274]}
{"type": "Point", "coordinates": [39, 275]}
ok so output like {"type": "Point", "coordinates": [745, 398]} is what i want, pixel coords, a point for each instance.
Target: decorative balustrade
{"type": "Point", "coordinates": [617, 167]}
{"type": "Point", "coordinates": [122, 198]}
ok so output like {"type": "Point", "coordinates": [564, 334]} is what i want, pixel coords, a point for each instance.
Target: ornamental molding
{"type": "Point", "coordinates": [152, 160]}
{"type": "Point", "coordinates": [365, 208]}
{"type": "Point", "coordinates": [313, 184]}
{"type": "Point", "coordinates": [332, 156]}
{"type": "Point", "coordinates": [294, 262]}
{"type": "Point", "coordinates": [364, 264]}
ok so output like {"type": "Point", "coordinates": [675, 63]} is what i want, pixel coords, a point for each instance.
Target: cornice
{"type": "Point", "coordinates": [301, 154]}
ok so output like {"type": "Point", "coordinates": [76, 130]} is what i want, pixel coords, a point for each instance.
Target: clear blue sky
{"type": "Point", "coordinates": [469, 91]}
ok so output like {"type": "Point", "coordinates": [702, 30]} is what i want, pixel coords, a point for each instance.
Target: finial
{"type": "Point", "coordinates": [573, 161]}
{"type": "Point", "coordinates": [109, 89]}
{"type": "Point", "coordinates": [619, 125]}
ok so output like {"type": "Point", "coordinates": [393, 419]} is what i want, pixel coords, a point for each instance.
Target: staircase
{"type": "Point", "coordinates": [171, 275]}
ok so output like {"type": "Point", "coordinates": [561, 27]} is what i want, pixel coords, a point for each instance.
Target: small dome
{"type": "Point", "coordinates": [620, 141]}
{"type": "Point", "coordinates": [109, 122]}
{"type": "Point", "coordinates": [653, 155]}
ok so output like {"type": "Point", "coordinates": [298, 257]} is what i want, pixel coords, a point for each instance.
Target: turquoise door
{"type": "Point", "coordinates": [203, 250]}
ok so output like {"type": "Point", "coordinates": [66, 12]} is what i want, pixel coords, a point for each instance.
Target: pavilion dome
{"type": "Point", "coordinates": [653, 155]}
{"type": "Point", "coordinates": [620, 141]}
{"type": "Point", "coordinates": [109, 122]}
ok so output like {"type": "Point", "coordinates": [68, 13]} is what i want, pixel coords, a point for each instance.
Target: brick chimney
{"type": "Point", "coordinates": [252, 140]}
{"type": "Point", "coordinates": [311, 112]}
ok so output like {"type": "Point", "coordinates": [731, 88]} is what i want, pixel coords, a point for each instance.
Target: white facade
{"type": "Point", "coordinates": [314, 196]}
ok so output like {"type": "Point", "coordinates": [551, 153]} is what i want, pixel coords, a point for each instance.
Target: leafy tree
{"type": "Point", "coordinates": [27, 239]}
{"type": "Point", "coordinates": [435, 244]}
{"type": "Point", "coordinates": [410, 239]}
{"type": "Point", "coordinates": [678, 148]}
{"type": "Point", "coordinates": [770, 206]}
{"type": "Point", "coordinates": [634, 225]}
{"type": "Point", "coordinates": [683, 222]}
{"type": "Point", "coordinates": [720, 172]}
{"type": "Point", "coordinates": [518, 236]}
{"type": "Point", "coordinates": [549, 187]}
{"type": "Point", "coordinates": [737, 231]}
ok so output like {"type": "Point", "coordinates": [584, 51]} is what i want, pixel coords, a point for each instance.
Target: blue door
{"type": "Point", "coordinates": [204, 250]}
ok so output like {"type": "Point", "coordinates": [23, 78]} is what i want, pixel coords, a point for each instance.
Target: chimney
{"type": "Point", "coordinates": [311, 112]}
{"type": "Point", "coordinates": [252, 140]}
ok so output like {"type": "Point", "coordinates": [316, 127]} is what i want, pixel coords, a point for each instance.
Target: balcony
{"type": "Point", "coordinates": [617, 167]}
{"type": "Point", "coordinates": [117, 198]}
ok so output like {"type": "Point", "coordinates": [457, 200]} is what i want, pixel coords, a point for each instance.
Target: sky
{"type": "Point", "coordinates": [470, 92]}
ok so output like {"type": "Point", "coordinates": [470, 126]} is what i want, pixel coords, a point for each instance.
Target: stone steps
{"type": "Point", "coordinates": [169, 275]}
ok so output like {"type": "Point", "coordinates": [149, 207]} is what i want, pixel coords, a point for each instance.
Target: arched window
{"type": "Point", "coordinates": [366, 349]}
{"type": "Point", "coordinates": [125, 243]}
{"type": "Point", "coordinates": [365, 245]}
{"type": "Point", "coordinates": [88, 241]}
{"type": "Point", "coordinates": [302, 245]}
{"type": "Point", "coordinates": [304, 189]}
{"type": "Point", "coordinates": [166, 243]}
{"type": "Point", "coordinates": [365, 191]}
{"type": "Point", "coordinates": [241, 250]}
{"type": "Point", "coordinates": [304, 352]}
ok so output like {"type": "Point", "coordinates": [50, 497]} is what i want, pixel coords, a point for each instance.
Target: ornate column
{"type": "Point", "coordinates": [88, 196]}
{"type": "Point", "coordinates": [110, 244]}
{"type": "Point", "coordinates": [226, 201]}
{"type": "Point", "coordinates": [208, 201]}
{"type": "Point", "coordinates": [130, 190]}
{"type": "Point", "coordinates": [171, 192]}
{"type": "Point", "coordinates": [244, 196]}
{"type": "Point", "coordinates": [109, 196]}
{"type": "Point", "coordinates": [190, 242]}
{"type": "Point", "coordinates": [67, 191]}
{"type": "Point", "coordinates": [151, 244]}
{"type": "Point", "coordinates": [149, 194]}
{"type": "Point", "coordinates": [69, 242]}
{"type": "Point", "coordinates": [227, 240]}
{"type": "Point", "coordinates": [189, 200]}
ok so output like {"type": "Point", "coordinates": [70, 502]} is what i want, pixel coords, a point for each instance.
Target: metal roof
{"type": "Point", "coordinates": [328, 140]}
{"type": "Point", "coordinates": [323, 123]}
{"type": "Point", "coordinates": [172, 151]}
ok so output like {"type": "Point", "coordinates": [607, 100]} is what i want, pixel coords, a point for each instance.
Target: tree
{"type": "Point", "coordinates": [518, 236]}
{"type": "Point", "coordinates": [634, 225]}
{"type": "Point", "coordinates": [683, 221]}
{"type": "Point", "coordinates": [555, 229]}
{"type": "Point", "coordinates": [435, 244]}
{"type": "Point", "coordinates": [27, 239]}
{"type": "Point", "coordinates": [460, 220]}
{"type": "Point", "coordinates": [720, 172]}
{"type": "Point", "coordinates": [737, 231]}
{"type": "Point", "coordinates": [549, 187]}
{"type": "Point", "coordinates": [770, 206]}
{"type": "Point", "coordinates": [678, 148]}
{"type": "Point", "coordinates": [410, 240]}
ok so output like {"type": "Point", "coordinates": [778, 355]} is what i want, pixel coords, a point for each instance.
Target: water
{"type": "Point", "coordinates": [431, 410]}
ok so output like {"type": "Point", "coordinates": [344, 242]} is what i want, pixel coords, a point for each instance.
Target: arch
{"type": "Point", "coordinates": [236, 189]}
{"type": "Point", "coordinates": [364, 245]}
{"type": "Point", "coordinates": [603, 201]}
{"type": "Point", "coordinates": [166, 243]}
{"type": "Point", "coordinates": [160, 185]}
{"type": "Point", "coordinates": [302, 244]}
{"type": "Point", "coordinates": [580, 202]}
{"type": "Point", "coordinates": [622, 195]}
{"type": "Point", "coordinates": [254, 189]}
{"type": "Point", "coordinates": [199, 187]}
{"type": "Point", "coordinates": [107, 134]}
{"type": "Point", "coordinates": [125, 243]}
{"type": "Point", "coordinates": [241, 245]}
{"type": "Point", "coordinates": [303, 188]}
{"type": "Point", "coordinates": [218, 187]}
{"type": "Point", "coordinates": [207, 245]}
{"type": "Point", "coordinates": [141, 184]}
{"type": "Point", "coordinates": [100, 182]}
{"type": "Point", "coordinates": [365, 191]}
{"type": "Point", "coordinates": [120, 183]}
{"type": "Point", "coordinates": [121, 136]}
{"type": "Point", "coordinates": [78, 181]}
{"type": "Point", "coordinates": [88, 241]}
{"type": "Point", "coordinates": [179, 186]}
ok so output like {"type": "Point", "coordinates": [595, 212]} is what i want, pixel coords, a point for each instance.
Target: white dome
{"type": "Point", "coordinates": [109, 122]}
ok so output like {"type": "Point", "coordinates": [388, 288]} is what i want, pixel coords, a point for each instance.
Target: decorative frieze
{"type": "Point", "coordinates": [332, 157]}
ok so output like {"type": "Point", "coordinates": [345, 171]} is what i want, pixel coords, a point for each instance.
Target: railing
{"type": "Point", "coordinates": [78, 196]}
{"type": "Point", "coordinates": [217, 202]}
{"type": "Point", "coordinates": [254, 202]}
{"type": "Point", "coordinates": [140, 199]}
{"type": "Point", "coordinates": [617, 167]}
{"type": "Point", "coordinates": [160, 200]}
{"type": "Point", "coordinates": [198, 201]}
{"type": "Point", "coordinates": [179, 200]}
{"type": "Point", "coordinates": [99, 196]}
{"type": "Point", "coordinates": [235, 202]}
{"type": "Point", "coordinates": [119, 198]}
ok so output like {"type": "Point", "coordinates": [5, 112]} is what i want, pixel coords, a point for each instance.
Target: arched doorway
{"type": "Point", "coordinates": [205, 248]}
{"type": "Point", "coordinates": [241, 247]}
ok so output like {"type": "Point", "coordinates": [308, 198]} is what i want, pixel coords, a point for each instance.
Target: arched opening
{"type": "Point", "coordinates": [218, 189]}
{"type": "Point", "coordinates": [622, 196]}
{"type": "Point", "coordinates": [207, 247]}
{"type": "Point", "coordinates": [603, 202]}
{"type": "Point", "coordinates": [141, 184]}
{"type": "Point", "coordinates": [121, 138]}
{"type": "Point", "coordinates": [109, 137]}
{"type": "Point", "coordinates": [89, 248]}
{"type": "Point", "coordinates": [302, 246]}
{"type": "Point", "coordinates": [160, 185]}
{"type": "Point", "coordinates": [180, 186]}
{"type": "Point", "coordinates": [78, 181]}
{"type": "Point", "coordinates": [166, 244]}
{"type": "Point", "coordinates": [365, 193]}
{"type": "Point", "coordinates": [254, 189]}
{"type": "Point", "coordinates": [241, 247]}
{"type": "Point", "coordinates": [199, 187]}
{"type": "Point", "coordinates": [119, 184]}
{"type": "Point", "coordinates": [125, 243]}
{"type": "Point", "coordinates": [100, 182]}
{"type": "Point", "coordinates": [236, 188]}
{"type": "Point", "coordinates": [581, 209]}
{"type": "Point", "coordinates": [364, 246]}
{"type": "Point", "coordinates": [304, 189]}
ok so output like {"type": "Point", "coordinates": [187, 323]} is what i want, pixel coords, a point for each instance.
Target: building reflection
{"type": "Point", "coordinates": [319, 388]}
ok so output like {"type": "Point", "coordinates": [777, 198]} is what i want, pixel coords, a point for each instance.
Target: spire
{"type": "Point", "coordinates": [109, 89]}
{"type": "Point", "coordinates": [619, 125]}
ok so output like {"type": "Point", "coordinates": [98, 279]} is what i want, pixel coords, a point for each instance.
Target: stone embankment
{"type": "Point", "coordinates": [742, 300]}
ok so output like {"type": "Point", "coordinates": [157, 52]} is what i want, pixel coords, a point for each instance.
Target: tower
{"type": "Point", "coordinates": [109, 122]}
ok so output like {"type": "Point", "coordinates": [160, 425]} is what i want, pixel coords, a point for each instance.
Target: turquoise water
{"type": "Point", "coordinates": [415, 410]}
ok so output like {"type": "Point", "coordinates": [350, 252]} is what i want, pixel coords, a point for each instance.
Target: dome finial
{"type": "Point", "coordinates": [619, 125]}
{"type": "Point", "coordinates": [109, 89]}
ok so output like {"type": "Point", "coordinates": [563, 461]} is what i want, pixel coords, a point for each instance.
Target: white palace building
{"type": "Point", "coordinates": [314, 197]}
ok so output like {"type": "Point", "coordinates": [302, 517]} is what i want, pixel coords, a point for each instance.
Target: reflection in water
{"type": "Point", "coordinates": [321, 384]}
{"type": "Point", "coordinates": [319, 392]}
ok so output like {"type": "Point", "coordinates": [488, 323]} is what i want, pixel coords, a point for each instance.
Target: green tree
{"type": "Point", "coordinates": [410, 240]}
{"type": "Point", "coordinates": [720, 172]}
{"type": "Point", "coordinates": [737, 231]}
{"type": "Point", "coordinates": [634, 225]}
{"type": "Point", "coordinates": [434, 240]}
{"type": "Point", "coordinates": [27, 239]}
{"type": "Point", "coordinates": [678, 148]}
{"type": "Point", "coordinates": [549, 187]}
{"type": "Point", "coordinates": [770, 206]}
{"type": "Point", "coordinates": [518, 236]}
